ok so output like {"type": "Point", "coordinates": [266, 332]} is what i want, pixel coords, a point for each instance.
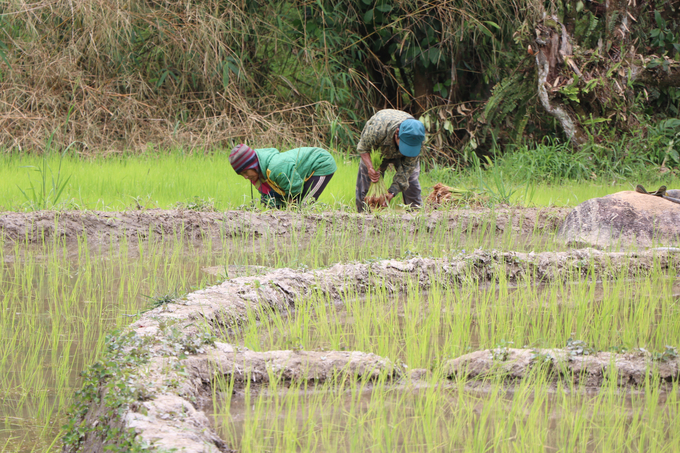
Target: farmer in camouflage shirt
{"type": "Point", "coordinates": [398, 136]}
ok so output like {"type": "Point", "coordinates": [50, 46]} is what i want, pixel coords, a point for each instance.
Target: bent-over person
{"type": "Point", "coordinates": [399, 137]}
{"type": "Point", "coordinates": [295, 176]}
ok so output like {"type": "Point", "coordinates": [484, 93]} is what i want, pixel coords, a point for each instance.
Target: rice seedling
{"type": "Point", "coordinates": [376, 197]}
{"type": "Point", "coordinates": [57, 303]}
{"type": "Point", "coordinates": [424, 330]}
{"type": "Point", "coordinates": [354, 415]}
{"type": "Point", "coordinates": [58, 300]}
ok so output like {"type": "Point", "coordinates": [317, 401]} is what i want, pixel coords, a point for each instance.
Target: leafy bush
{"type": "Point", "coordinates": [628, 157]}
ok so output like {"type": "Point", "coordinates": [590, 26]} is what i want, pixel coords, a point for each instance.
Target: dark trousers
{"type": "Point", "coordinates": [412, 196]}
{"type": "Point", "coordinates": [310, 193]}
{"type": "Point", "coordinates": [314, 186]}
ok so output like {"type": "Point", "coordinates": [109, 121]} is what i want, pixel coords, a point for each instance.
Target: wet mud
{"type": "Point", "coordinates": [100, 226]}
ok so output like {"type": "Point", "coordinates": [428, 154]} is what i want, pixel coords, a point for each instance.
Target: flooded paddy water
{"type": "Point", "coordinates": [433, 412]}
{"type": "Point", "coordinates": [443, 416]}
{"type": "Point", "coordinates": [62, 294]}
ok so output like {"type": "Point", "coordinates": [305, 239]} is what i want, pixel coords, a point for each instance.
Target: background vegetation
{"type": "Point", "coordinates": [108, 76]}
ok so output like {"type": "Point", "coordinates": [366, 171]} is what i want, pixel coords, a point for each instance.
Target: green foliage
{"type": "Point", "coordinates": [506, 113]}
{"type": "Point", "coordinates": [664, 141]}
{"type": "Point", "coordinates": [501, 352]}
{"type": "Point", "coordinates": [163, 300]}
{"type": "Point", "coordinates": [110, 387]}
{"type": "Point", "coordinates": [579, 347]}
{"type": "Point", "coordinates": [109, 384]}
{"type": "Point", "coordinates": [666, 36]}
{"type": "Point", "coordinates": [572, 91]}
{"type": "Point", "coordinates": [670, 353]}
{"type": "Point", "coordinates": [585, 28]}
{"type": "Point", "coordinates": [307, 71]}
{"type": "Point", "coordinates": [435, 54]}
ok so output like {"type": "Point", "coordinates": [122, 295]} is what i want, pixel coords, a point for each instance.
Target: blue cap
{"type": "Point", "coordinates": [411, 137]}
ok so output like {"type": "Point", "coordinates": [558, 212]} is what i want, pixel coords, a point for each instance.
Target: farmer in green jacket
{"type": "Point", "coordinates": [298, 175]}
{"type": "Point", "coordinates": [399, 137]}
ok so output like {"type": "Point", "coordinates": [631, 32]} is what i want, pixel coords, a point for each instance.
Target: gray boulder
{"type": "Point", "coordinates": [624, 219]}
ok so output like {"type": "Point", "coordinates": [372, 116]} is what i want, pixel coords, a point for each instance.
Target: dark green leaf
{"type": "Point", "coordinates": [660, 22]}
{"type": "Point", "coordinates": [3, 49]}
{"type": "Point", "coordinates": [485, 30]}
{"type": "Point", "coordinates": [162, 78]}
{"type": "Point", "coordinates": [434, 55]}
{"type": "Point", "coordinates": [225, 76]}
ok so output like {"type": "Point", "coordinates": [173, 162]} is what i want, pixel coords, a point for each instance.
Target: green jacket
{"type": "Point", "coordinates": [287, 172]}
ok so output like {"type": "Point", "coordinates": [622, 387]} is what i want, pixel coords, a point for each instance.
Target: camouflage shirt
{"type": "Point", "coordinates": [378, 134]}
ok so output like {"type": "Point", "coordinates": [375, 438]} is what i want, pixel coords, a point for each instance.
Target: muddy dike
{"type": "Point", "coordinates": [153, 385]}
{"type": "Point", "coordinates": [35, 227]}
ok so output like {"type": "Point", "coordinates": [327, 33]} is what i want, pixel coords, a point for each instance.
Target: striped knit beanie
{"type": "Point", "coordinates": [242, 158]}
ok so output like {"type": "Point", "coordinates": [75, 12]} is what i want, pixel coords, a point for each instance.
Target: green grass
{"type": "Point", "coordinates": [206, 180]}
{"type": "Point", "coordinates": [148, 181]}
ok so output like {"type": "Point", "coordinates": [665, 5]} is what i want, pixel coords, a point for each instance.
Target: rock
{"type": "Point", "coordinates": [624, 218]}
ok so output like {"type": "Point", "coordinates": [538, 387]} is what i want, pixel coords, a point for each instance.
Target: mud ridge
{"type": "Point", "coordinates": [103, 226]}
{"type": "Point", "coordinates": [168, 358]}
{"type": "Point", "coordinates": [592, 370]}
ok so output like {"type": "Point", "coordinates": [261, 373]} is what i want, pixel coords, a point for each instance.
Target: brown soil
{"type": "Point", "coordinates": [98, 225]}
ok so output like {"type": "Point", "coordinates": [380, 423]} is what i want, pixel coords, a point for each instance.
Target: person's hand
{"type": "Point", "coordinates": [388, 198]}
{"type": "Point", "coordinates": [373, 174]}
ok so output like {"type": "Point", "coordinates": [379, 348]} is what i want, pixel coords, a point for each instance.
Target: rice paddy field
{"type": "Point", "coordinates": [206, 181]}
{"type": "Point", "coordinates": [63, 298]}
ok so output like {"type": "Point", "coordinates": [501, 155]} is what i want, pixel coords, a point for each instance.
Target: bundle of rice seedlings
{"type": "Point", "coordinates": [454, 196]}
{"type": "Point", "coordinates": [377, 192]}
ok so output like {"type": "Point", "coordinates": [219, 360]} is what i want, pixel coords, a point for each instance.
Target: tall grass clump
{"type": "Point", "coordinates": [45, 192]}
{"type": "Point", "coordinates": [628, 159]}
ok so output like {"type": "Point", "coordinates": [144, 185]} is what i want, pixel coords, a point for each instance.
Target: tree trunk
{"type": "Point", "coordinates": [553, 47]}
{"type": "Point", "coordinates": [422, 89]}
{"type": "Point", "coordinates": [596, 81]}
